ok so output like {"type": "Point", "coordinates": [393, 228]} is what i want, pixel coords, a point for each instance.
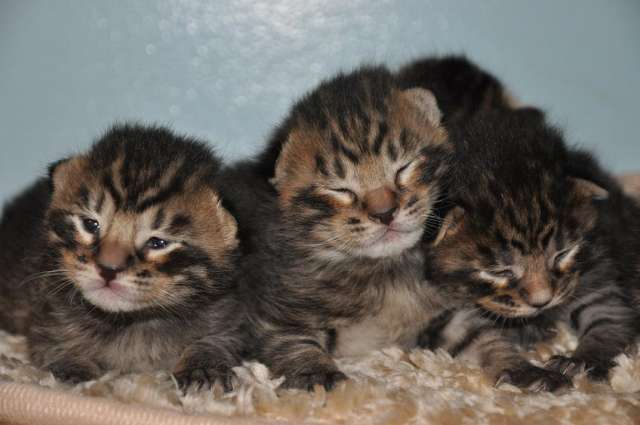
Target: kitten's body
{"type": "Point", "coordinates": [534, 241]}
{"type": "Point", "coordinates": [610, 268]}
{"type": "Point", "coordinates": [311, 298]}
{"type": "Point", "coordinates": [158, 305]}
{"type": "Point", "coordinates": [315, 291]}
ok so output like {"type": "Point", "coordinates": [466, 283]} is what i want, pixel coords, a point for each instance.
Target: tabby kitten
{"type": "Point", "coordinates": [332, 213]}
{"type": "Point", "coordinates": [123, 260]}
{"type": "Point", "coordinates": [462, 88]}
{"type": "Point", "coordinates": [530, 238]}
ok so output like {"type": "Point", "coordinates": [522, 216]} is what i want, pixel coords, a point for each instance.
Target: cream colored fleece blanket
{"type": "Point", "coordinates": [387, 387]}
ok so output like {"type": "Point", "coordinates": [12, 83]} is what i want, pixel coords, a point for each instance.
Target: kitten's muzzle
{"type": "Point", "coordinates": [112, 259]}
{"type": "Point", "coordinates": [108, 273]}
{"type": "Point", "coordinates": [381, 204]}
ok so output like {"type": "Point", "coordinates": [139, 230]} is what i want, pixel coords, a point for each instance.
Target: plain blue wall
{"type": "Point", "coordinates": [228, 70]}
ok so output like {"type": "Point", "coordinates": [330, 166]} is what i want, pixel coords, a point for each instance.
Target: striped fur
{"type": "Point", "coordinates": [98, 291]}
{"type": "Point", "coordinates": [334, 267]}
{"type": "Point", "coordinates": [532, 238]}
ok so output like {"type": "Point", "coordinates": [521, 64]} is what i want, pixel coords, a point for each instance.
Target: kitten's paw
{"type": "Point", "coordinates": [571, 366]}
{"type": "Point", "coordinates": [72, 373]}
{"type": "Point", "coordinates": [204, 377]}
{"type": "Point", "coordinates": [307, 380]}
{"type": "Point", "coordinates": [534, 378]}
{"type": "Point", "coordinates": [568, 366]}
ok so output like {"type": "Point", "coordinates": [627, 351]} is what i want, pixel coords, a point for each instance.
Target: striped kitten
{"type": "Point", "coordinates": [123, 260]}
{"type": "Point", "coordinates": [335, 267]}
{"type": "Point", "coordinates": [531, 240]}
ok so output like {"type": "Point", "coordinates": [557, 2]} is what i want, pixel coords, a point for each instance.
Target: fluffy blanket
{"type": "Point", "coordinates": [387, 387]}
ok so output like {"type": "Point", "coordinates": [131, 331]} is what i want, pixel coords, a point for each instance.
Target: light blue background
{"type": "Point", "coordinates": [228, 70]}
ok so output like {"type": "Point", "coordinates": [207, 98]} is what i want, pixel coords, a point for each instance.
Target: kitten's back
{"type": "Point", "coordinates": [461, 87]}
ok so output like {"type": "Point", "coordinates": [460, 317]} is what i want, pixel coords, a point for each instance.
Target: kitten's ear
{"type": "Point", "coordinates": [64, 171]}
{"type": "Point", "coordinates": [451, 225]}
{"type": "Point", "coordinates": [228, 224]}
{"type": "Point", "coordinates": [292, 166]}
{"type": "Point", "coordinates": [586, 190]}
{"type": "Point", "coordinates": [582, 195]}
{"type": "Point", "coordinates": [425, 103]}
{"type": "Point", "coordinates": [229, 227]}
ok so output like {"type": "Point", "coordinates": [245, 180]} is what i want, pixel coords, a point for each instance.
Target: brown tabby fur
{"type": "Point", "coordinates": [95, 293]}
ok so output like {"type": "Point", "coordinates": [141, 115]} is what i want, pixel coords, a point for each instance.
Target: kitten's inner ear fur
{"type": "Point", "coordinates": [65, 172]}
{"type": "Point", "coordinates": [425, 103]}
{"type": "Point", "coordinates": [292, 165]}
{"type": "Point", "coordinates": [229, 225]}
{"type": "Point", "coordinates": [587, 191]}
{"type": "Point", "coordinates": [451, 225]}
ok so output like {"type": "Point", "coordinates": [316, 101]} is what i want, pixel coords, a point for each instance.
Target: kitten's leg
{"type": "Point", "coordinates": [73, 372]}
{"type": "Point", "coordinates": [605, 323]}
{"type": "Point", "coordinates": [301, 358]}
{"type": "Point", "coordinates": [532, 332]}
{"type": "Point", "coordinates": [67, 362]}
{"type": "Point", "coordinates": [208, 360]}
{"type": "Point", "coordinates": [467, 336]}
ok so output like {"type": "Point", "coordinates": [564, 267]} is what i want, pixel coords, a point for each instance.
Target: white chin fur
{"type": "Point", "coordinates": [108, 300]}
{"type": "Point", "coordinates": [383, 248]}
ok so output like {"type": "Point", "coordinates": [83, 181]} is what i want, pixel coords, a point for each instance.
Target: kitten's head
{"type": "Point", "coordinates": [517, 240]}
{"type": "Point", "coordinates": [359, 165]}
{"type": "Point", "coordinates": [136, 223]}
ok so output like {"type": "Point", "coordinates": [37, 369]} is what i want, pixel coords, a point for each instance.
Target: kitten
{"type": "Point", "coordinates": [532, 236]}
{"type": "Point", "coordinates": [462, 88]}
{"type": "Point", "coordinates": [332, 212]}
{"type": "Point", "coordinates": [122, 259]}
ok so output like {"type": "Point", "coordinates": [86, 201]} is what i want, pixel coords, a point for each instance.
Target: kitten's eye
{"type": "Point", "coordinates": [344, 194]}
{"type": "Point", "coordinates": [157, 243]}
{"type": "Point", "coordinates": [404, 172]}
{"type": "Point", "coordinates": [91, 225]}
{"type": "Point", "coordinates": [564, 259]}
{"type": "Point", "coordinates": [503, 274]}
{"type": "Point", "coordinates": [496, 276]}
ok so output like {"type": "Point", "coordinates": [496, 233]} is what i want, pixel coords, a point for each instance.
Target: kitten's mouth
{"type": "Point", "coordinates": [391, 242]}
{"type": "Point", "coordinates": [113, 296]}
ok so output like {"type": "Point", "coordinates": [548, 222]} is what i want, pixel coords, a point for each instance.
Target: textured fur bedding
{"type": "Point", "coordinates": [387, 387]}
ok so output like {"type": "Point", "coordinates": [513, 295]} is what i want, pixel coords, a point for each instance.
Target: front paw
{"type": "Point", "coordinates": [571, 366]}
{"type": "Point", "coordinates": [72, 373]}
{"type": "Point", "coordinates": [534, 378]}
{"type": "Point", "coordinates": [204, 376]}
{"type": "Point", "coordinates": [308, 379]}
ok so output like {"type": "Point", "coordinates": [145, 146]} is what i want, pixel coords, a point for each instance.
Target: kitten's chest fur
{"type": "Point", "coordinates": [395, 305]}
{"type": "Point", "coordinates": [144, 347]}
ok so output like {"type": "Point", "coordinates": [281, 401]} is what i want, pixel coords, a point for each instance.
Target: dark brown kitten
{"type": "Point", "coordinates": [530, 238]}
{"type": "Point", "coordinates": [122, 259]}
{"type": "Point", "coordinates": [335, 269]}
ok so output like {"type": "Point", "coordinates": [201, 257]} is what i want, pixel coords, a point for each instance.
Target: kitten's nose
{"type": "Point", "coordinates": [381, 204]}
{"type": "Point", "coordinates": [384, 217]}
{"type": "Point", "coordinates": [107, 273]}
{"type": "Point", "coordinates": [539, 297]}
{"type": "Point", "coordinates": [112, 258]}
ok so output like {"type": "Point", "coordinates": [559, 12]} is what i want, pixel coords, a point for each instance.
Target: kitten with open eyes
{"type": "Point", "coordinates": [123, 259]}
{"type": "Point", "coordinates": [533, 237]}
{"type": "Point", "coordinates": [332, 212]}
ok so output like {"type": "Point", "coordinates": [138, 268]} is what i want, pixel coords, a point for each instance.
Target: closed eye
{"type": "Point", "coordinates": [404, 172]}
{"type": "Point", "coordinates": [565, 259]}
{"type": "Point", "coordinates": [498, 278]}
{"type": "Point", "coordinates": [343, 194]}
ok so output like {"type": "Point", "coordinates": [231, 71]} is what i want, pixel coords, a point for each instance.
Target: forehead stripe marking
{"type": "Point", "coordinates": [382, 132]}
{"type": "Point", "coordinates": [321, 165]}
{"type": "Point", "coordinates": [339, 147]}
